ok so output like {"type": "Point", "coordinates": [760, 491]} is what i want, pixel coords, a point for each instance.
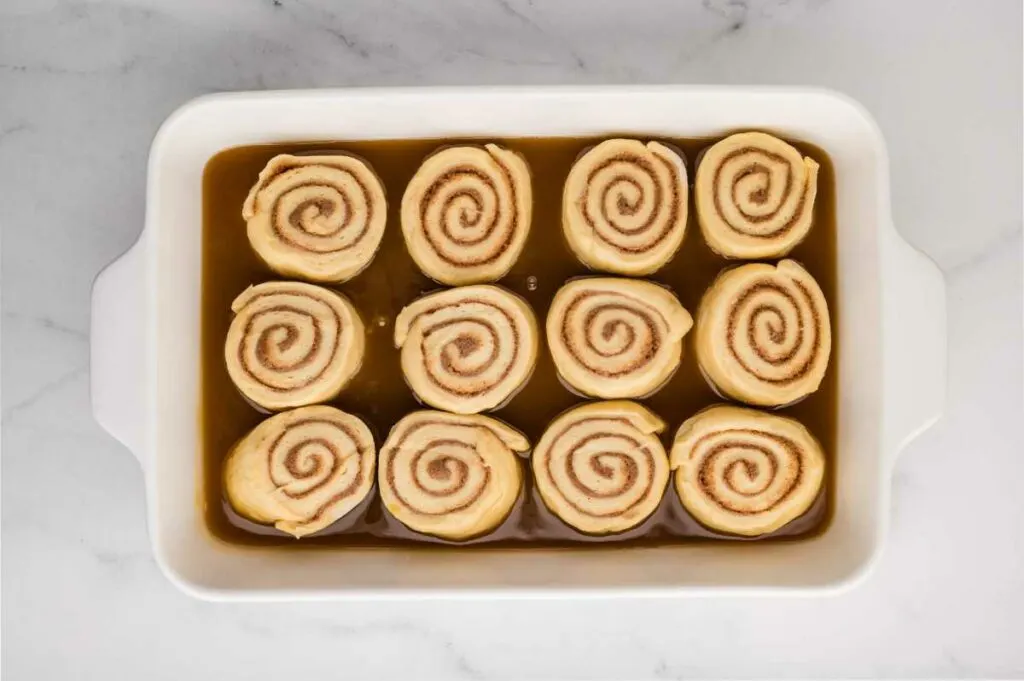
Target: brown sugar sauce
{"type": "Point", "coordinates": [379, 393]}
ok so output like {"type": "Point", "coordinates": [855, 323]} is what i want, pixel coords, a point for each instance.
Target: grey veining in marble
{"type": "Point", "coordinates": [83, 87]}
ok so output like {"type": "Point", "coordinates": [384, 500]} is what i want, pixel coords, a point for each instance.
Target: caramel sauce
{"type": "Point", "coordinates": [379, 394]}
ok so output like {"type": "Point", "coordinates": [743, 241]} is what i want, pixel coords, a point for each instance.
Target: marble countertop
{"type": "Point", "coordinates": [83, 87]}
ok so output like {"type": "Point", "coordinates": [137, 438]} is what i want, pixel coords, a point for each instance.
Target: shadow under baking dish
{"type": "Point", "coordinates": [379, 393]}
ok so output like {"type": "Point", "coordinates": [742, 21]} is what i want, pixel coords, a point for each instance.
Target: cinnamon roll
{"type": "Point", "coordinates": [316, 217]}
{"type": "Point", "coordinates": [292, 344]}
{"type": "Point", "coordinates": [763, 333]}
{"type": "Point", "coordinates": [467, 349]}
{"type": "Point", "coordinates": [301, 470]}
{"type": "Point", "coordinates": [744, 471]}
{"type": "Point", "coordinates": [755, 196]}
{"type": "Point", "coordinates": [601, 468]}
{"type": "Point", "coordinates": [624, 206]}
{"type": "Point", "coordinates": [449, 475]}
{"type": "Point", "coordinates": [616, 337]}
{"type": "Point", "coordinates": [466, 213]}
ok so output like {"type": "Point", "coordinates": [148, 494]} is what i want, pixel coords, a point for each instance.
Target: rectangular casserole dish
{"type": "Point", "coordinates": [146, 330]}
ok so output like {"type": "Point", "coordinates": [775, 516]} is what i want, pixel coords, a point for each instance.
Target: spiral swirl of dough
{"type": "Point", "coordinates": [755, 196]}
{"type": "Point", "coordinates": [466, 214]}
{"type": "Point", "coordinates": [319, 218]}
{"type": "Point", "coordinates": [301, 470]}
{"type": "Point", "coordinates": [467, 349]}
{"type": "Point", "coordinates": [616, 338]}
{"type": "Point", "coordinates": [624, 206]}
{"type": "Point", "coordinates": [763, 333]}
{"type": "Point", "coordinates": [451, 476]}
{"type": "Point", "coordinates": [600, 467]}
{"type": "Point", "coordinates": [744, 471]}
{"type": "Point", "coordinates": [292, 344]}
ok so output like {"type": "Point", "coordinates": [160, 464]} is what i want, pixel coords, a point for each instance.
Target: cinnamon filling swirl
{"type": "Point", "coordinates": [624, 206]}
{"type": "Point", "coordinates": [763, 333]}
{"type": "Point", "coordinates": [292, 344]}
{"type": "Point", "coordinates": [755, 196]}
{"type": "Point", "coordinates": [301, 470]}
{"type": "Point", "coordinates": [601, 468]}
{"type": "Point", "coordinates": [616, 337]}
{"type": "Point", "coordinates": [449, 475]}
{"type": "Point", "coordinates": [316, 217]}
{"type": "Point", "coordinates": [466, 213]}
{"type": "Point", "coordinates": [744, 471]}
{"type": "Point", "coordinates": [467, 349]}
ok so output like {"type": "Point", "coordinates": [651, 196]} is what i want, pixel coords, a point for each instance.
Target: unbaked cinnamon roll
{"type": "Point", "coordinates": [755, 196]}
{"type": "Point", "coordinates": [466, 213]}
{"type": "Point", "coordinates": [467, 349]}
{"type": "Point", "coordinates": [292, 344]}
{"type": "Point", "coordinates": [613, 337]}
{"type": "Point", "coordinates": [451, 476]}
{"type": "Point", "coordinates": [316, 217]}
{"type": "Point", "coordinates": [601, 468]}
{"type": "Point", "coordinates": [624, 206]}
{"type": "Point", "coordinates": [301, 470]}
{"type": "Point", "coordinates": [763, 333]}
{"type": "Point", "coordinates": [744, 471]}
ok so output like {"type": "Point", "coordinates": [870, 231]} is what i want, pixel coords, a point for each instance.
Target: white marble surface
{"type": "Point", "coordinates": [83, 86]}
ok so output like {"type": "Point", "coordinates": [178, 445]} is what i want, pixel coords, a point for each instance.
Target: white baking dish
{"type": "Point", "coordinates": [145, 343]}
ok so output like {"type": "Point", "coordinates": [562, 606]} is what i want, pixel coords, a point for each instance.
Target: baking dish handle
{"type": "Point", "coordinates": [118, 349]}
{"type": "Point", "coordinates": [914, 365]}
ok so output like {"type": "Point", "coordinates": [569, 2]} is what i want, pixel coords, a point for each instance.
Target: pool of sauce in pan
{"type": "Point", "coordinates": [379, 394]}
